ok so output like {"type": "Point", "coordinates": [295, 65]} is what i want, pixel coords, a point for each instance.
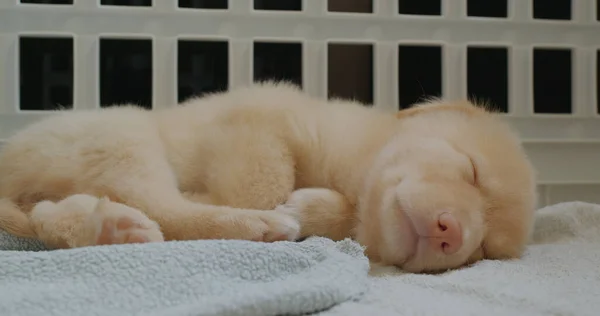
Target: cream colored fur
{"type": "Point", "coordinates": [269, 163]}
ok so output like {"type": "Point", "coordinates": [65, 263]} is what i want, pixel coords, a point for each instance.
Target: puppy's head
{"type": "Point", "coordinates": [453, 187]}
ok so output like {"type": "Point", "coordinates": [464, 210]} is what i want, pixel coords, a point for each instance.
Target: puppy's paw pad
{"type": "Point", "coordinates": [126, 228]}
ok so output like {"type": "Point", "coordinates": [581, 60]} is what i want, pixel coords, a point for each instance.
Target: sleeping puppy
{"type": "Point", "coordinates": [430, 188]}
{"type": "Point", "coordinates": [452, 186]}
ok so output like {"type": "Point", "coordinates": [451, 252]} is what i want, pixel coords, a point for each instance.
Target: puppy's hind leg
{"type": "Point", "coordinates": [147, 182]}
{"type": "Point", "coordinates": [249, 169]}
{"type": "Point", "coordinates": [83, 220]}
{"type": "Point", "coordinates": [182, 219]}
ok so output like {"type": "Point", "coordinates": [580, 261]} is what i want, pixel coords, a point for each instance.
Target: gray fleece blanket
{"type": "Point", "coordinates": [180, 278]}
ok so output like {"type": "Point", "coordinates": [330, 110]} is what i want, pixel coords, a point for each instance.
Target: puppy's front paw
{"type": "Point", "coordinates": [266, 226]}
{"type": "Point", "coordinates": [289, 209]}
{"type": "Point", "coordinates": [320, 212]}
{"type": "Point", "coordinates": [280, 227]}
{"type": "Point", "coordinates": [300, 200]}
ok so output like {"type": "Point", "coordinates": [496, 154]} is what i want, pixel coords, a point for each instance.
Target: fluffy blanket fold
{"type": "Point", "coordinates": [180, 278]}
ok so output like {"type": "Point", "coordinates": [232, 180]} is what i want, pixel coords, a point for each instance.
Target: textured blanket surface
{"type": "Point", "coordinates": [559, 275]}
{"type": "Point", "coordinates": [180, 278]}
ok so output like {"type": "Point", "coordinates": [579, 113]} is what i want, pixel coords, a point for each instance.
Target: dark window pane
{"type": "Point", "coordinates": [487, 76]}
{"type": "Point", "coordinates": [278, 61]}
{"type": "Point", "coordinates": [280, 5]}
{"type": "Point", "coordinates": [355, 6]}
{"type": "Point", "coordinates": [552, 9]}
{"type": "Point", "coordinates": [45, 73]}
{"type": "Point", "coordinates": [419, 73]}
{"type": "Point", "coordinates": [487, 8]}
{"type": "Point", "coordinates": [552, 80]}
{"type": "Point", "coordinates": [203, 4]}
{"type": "Point", "coordinates": [202, 67]}
{"type": "Point", "coordinates": [126, 72]}
{"type": "Point", "coordinates": [134, 3]}
{"type": "Point", "coordinates": [350, 72]}
{"type": "Point", "coordinates": [420, 7]}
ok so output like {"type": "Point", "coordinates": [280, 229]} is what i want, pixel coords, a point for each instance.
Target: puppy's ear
{"type": "Point", "coordinates": [408, 112]}
{"type": "Point", "coordinates": [103, 204]}
{"type": "Point", "coordinates": [439, 106]}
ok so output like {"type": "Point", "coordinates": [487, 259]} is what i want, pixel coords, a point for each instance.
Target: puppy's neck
{"type": "Point", "coordinates": [339, 154]}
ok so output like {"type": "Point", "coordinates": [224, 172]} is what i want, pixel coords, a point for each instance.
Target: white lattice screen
{"type": "Point", "coordinates": [555, 112]}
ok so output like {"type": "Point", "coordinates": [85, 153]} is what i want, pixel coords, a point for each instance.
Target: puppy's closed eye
{"type": "Point", "coordinates": [474, 171]}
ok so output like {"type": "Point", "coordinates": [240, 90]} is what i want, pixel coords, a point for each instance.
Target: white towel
{"type": "Point", "coordinates": [209, 277]}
